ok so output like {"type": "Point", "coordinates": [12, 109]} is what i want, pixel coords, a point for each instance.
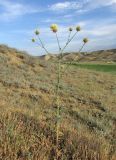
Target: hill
{"type": "Point", "coordinates": [28, 110]}
{"type": "Point", "coordinates": [96, 56]}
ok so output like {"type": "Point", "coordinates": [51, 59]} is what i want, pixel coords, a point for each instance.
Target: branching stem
{"type": "Point", "coordinates": [42, 45]}
{"type": "Point", "coordinates": [73, 59]}
{"type": "Point", "coordinates": [58, 43]}
{"type": "Point", "coordinates": [68, 37]}
{"type": "Point", "coordinates": [58, 86]}
{"type": "Point", "coordinates": [67, 44]}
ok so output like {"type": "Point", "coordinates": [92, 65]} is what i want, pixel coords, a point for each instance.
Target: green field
{"type": "Point", "coordinates": [98, 67]}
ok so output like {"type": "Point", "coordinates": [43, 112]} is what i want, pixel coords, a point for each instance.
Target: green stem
{"type": "Point", "coordinates": [43, 45]}
{"type": "Point", "coordinates": [68, 37]}
{"type": "Point", "coordinates": [73, 59]}
{"type": "Point", "coordinates": [67, 44]}
{"type": "Point", "coordinates": [58, 104]}
{"type": "Point", "coordinates": [58, 88]}
{"type": "Point", "coordinates": [58, 99]}
{"type": "Point", "coordinates": [58, 42]}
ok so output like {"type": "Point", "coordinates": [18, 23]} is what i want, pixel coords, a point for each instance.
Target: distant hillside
{"type": "Point", "coordinates": [103, 55]}
{"type": "Point", "coordinates": [96, 56]}
{"type": "Point", "coordinates": [16, 58]}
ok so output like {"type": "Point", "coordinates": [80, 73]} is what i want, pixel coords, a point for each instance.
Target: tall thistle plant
{"type": "Point", "coordinates": [72, 34]}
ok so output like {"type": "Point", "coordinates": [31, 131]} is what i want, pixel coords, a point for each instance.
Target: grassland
{"type": "Point", "coordinates": [28, 111]}
{"type": "Point", "coordinates": [102, 67]}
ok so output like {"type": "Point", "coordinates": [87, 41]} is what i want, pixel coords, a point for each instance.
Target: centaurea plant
{"type": "Point", "coordinates": [71, 36]}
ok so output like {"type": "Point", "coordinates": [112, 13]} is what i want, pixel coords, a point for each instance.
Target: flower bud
{"type": "Point", "coordinates": [54, 28]}
{"type": "Point", "coordinates": [37, 32]}
{"type": "Point", "coordinates": [33, 40]}
{"type": "Point", "coordinates": [85, 40]}
{"type": "Point", "coordinates": [78, 28]}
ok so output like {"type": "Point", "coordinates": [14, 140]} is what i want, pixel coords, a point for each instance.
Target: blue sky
{"type": "Point", "coordinates": [19, 19]}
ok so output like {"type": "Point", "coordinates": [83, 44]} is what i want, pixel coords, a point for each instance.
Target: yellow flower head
{"type": "Point", "coordinates": [70, 29]}
{"type": "Point", "coordinates": [54, 28]}
{"type": "Point", "coordinates": [33, 40]}
{"type": "Point", "coordinates": [37, 32]}
{"type": "Point", "coordinates": [78, 28]}
{"type": "Point", "coordinates": [85, 40]}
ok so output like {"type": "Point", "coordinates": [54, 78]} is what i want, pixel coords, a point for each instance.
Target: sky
{"type": "Point", "coordinates": [20, 18]}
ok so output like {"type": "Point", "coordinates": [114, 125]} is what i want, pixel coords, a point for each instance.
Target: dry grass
{"type": "Point", "coordinates": [27, 112]}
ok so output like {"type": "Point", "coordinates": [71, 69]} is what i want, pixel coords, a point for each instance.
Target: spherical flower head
{"type": "Point", "coordinates": [37, 32]}
{"type": "Point", "coordinates": [54, 28]}
{"type": "Point", "coordinates": [85, 40]}
{"type": "Point", "coordinates": [78, 28]}
{"type": "Point", "coordinates": [70, 29]}
{"type": "Point", "coordinates": [33, 40]}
